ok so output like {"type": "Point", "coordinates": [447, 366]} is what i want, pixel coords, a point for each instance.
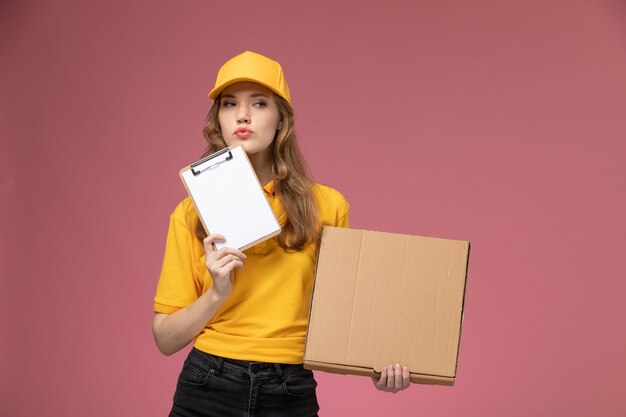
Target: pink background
{"type": "Point", "coordinates": [500, 122]}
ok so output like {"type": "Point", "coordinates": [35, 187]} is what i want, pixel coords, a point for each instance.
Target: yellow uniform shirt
{"type": "Point", "coordinates": [265, 317]}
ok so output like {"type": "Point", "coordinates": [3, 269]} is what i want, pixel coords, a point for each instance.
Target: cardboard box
{"type": "Point", "coordinates": [383, 298]}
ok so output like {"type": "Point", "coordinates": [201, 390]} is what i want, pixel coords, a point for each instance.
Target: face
{"type": "Point", "coordinates": [249, 117]}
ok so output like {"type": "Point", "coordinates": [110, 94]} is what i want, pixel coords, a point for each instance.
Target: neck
{"type": "Point", "coordinates": [262, 164]}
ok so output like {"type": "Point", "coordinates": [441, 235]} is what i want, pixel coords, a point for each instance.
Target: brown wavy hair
{"type": "Point", "coordinates": [293, 183]}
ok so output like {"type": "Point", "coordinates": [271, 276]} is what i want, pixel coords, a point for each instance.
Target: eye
{"type": "Point", "coordinates": [227, 103]}
{"type": "Point", "coordinates": [260, 104]}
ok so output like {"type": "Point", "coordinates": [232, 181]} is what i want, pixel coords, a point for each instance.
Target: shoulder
{"type": "Point", "coordinates": [332, 204]}
{"type": "Point", "coordinates": [185, 214]}
{"type": "Point", "coordinates": [328, 195]}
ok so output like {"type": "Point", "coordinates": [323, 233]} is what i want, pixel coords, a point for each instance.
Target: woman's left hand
{"type": "Point", "coordinates": [393, 379]}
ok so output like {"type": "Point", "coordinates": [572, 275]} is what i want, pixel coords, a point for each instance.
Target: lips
{"type": "Point", "coordinates": [243, 132]}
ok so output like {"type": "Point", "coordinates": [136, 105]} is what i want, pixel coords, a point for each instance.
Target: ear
{"type": "Point", "coordinates": [280, 125]}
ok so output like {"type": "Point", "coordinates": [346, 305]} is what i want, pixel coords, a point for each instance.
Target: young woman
{"type": "Point", "coordinates": [247, 311]}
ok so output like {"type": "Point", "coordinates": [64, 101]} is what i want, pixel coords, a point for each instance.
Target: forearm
{"type": "Point", "coordinates": [172, 332]}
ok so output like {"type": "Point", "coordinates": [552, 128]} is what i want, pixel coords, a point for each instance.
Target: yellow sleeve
{"type": "Point", "coordinates": [343, 209]}
{"type": "Point", "coordinates": [177, 285]}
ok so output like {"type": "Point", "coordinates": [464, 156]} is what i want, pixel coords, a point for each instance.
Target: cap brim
{"type": "Point", "coordinates": [217, 90]}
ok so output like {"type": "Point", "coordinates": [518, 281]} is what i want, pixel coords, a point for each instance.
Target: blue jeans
{"type": "Point", "coordinates": [210, 386]}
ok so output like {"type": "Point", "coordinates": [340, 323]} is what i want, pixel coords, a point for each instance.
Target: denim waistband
{"type": "Point", "coordinates": [218, 364]}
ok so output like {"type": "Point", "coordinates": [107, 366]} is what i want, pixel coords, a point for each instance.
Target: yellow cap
{"type": "Point", "coordinates": [250, 66]}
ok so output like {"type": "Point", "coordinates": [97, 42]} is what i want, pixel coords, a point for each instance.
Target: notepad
{"type": "Point", "coordinates": [229, 199]}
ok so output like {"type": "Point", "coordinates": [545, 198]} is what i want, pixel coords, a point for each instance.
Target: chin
{"type": "Point", "coordinates": [248, 147]}
{"type": "Point", "coordinates": [234, 143]}
{"type": "Point", "coordinates": [254, 149]}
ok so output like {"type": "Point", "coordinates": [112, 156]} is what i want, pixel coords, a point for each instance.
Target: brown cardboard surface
{"type": "Point", "coordinates": [383, 298]}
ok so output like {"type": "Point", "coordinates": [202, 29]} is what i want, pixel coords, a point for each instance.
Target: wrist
{"type": "Point", "coordinates": [214, 297]}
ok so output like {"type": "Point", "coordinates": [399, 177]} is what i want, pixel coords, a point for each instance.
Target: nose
{"type": "Point", "coordinates": [243, 116]}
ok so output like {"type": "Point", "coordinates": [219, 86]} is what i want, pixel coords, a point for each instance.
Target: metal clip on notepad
{"type": "Point", "coordinates": [216, 159]}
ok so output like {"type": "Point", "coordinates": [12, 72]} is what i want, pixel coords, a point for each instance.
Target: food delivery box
{"type": "Point", "coordinates": [383, 298]}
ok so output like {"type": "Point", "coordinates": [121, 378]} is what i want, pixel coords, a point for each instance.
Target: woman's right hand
{"type": "Point", "coordinates": [221, 265]}
{"type": "Point", "coordinates": [174, 331]}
